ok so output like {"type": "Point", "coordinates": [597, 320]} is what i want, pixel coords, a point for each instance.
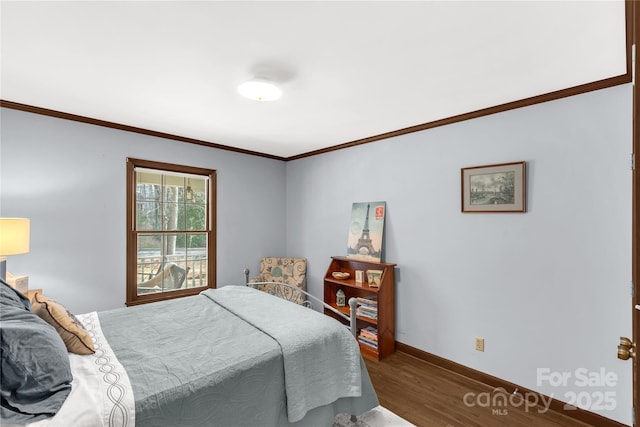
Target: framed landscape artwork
{"type": "Point", "coordinates": [494, 188]}
{"type": "Point", "coordinates": [365, 231]}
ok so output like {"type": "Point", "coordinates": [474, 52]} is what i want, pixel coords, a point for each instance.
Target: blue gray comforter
{"type": "Point", "coordinates": [236, 357]}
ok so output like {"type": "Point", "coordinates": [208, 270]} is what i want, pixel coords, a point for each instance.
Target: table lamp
{"type": "Point", "coordinates": [14, 240]}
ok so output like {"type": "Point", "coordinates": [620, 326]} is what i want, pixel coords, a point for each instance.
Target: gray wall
{"type": "Point", "coordinates": [546, 289]}
{"type": "Point", "coordinates": [69, 178]}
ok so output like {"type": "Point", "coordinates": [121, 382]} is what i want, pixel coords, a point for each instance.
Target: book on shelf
{"type": "Point", "coordinates": [366, 342]}
{"type": "Point", "coordinates": [372, 310]}
{"type": "Point", "coordinates": [370, 332]}
{"type": "Point", "coordinates": [367, 307]}
{"type": "Point", "coordinates": [370, 329]}
{"type": "Point", "coordinates": [372, 314]}
{"type": "Point", "coordinates": [369, 336]}
{"type": "Point", "coordinates": [367, 316]}
{"type": "Point", "coordinates": [370, 301]}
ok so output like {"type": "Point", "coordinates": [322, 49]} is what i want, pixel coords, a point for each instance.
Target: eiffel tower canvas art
{"type": "Point", "coordinates": [366, 231]}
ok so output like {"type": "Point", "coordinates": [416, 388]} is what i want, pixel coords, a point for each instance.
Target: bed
{"type": "Point", "coordinates": [232, 356]}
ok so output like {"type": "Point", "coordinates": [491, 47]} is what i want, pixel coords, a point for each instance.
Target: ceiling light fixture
{"type": "Point", "coordinates": [260, 90]}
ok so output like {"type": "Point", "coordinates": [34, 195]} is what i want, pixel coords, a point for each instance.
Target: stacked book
{"type": "Point", "coordinates": [369, 337]}
{"type": "Point", "coordinates": [367, 307]}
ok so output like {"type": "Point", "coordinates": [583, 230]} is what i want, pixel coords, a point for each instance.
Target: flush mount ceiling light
{"type": "Point", "coordinates": [260, 90]}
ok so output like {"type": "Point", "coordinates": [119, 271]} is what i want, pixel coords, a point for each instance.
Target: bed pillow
{"type": "Point", "coordinates": [74, 335]}
{"type": "Point", "coordinates": [35, 378]}
{"type": "Point", "coordinates": [11, 297]}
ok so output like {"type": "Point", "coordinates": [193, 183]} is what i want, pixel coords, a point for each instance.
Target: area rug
{"type": "Point", "coordinates": [377, 417]}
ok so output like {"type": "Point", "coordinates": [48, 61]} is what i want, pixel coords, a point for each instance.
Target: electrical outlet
{"type": "Point", "coordinates": [479, 344]}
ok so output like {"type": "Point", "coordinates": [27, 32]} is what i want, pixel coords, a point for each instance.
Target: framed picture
{"type": "Point", "coordinates": [494, 188]}
{"type": "Point", "coordinates": [374, 278]}
{"type": "Point", "coordinates": [366, 230]}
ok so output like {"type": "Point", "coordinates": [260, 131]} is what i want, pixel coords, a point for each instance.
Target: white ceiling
{"type": "Point", "coordinates": [348, 70]}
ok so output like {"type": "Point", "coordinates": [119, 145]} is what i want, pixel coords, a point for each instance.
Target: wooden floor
{"type": "Point", "coordinates": [427, 395]}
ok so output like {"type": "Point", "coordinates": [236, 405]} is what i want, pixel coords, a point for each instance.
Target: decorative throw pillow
{"type": "Point", "coordinates": [74, 335]}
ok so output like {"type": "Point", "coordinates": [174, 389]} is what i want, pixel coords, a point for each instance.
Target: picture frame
{"type": "Point", "coordinates": [494, 188]}
{"type": "Point", "coordinates": [374, 278]}
{"type": "Point", "coordinates": [366, 230]}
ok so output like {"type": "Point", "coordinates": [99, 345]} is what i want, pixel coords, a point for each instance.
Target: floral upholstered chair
{"type": "Point", "coordinates": [292, 271]}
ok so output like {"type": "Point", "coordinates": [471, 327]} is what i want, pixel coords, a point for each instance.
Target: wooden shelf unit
{"type": "Point", "coordinates": [385, 296]}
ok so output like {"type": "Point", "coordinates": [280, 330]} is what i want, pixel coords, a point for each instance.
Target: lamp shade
{"type": "Point", "coordinates": [14, 236]}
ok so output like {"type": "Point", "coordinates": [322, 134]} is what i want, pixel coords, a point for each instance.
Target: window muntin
{"type": "Point", "coordinates": [170, 245]}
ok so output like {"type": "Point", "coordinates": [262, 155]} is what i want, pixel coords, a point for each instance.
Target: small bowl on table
{"type": "Point", "coordinates": [340, 275]}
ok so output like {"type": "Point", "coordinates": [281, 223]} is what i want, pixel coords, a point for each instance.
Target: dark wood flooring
{"type": "Point", "coordinates": [427, 395]}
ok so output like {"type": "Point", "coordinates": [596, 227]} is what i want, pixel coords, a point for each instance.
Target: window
{"type": "Point", "coordinates": [170, 230]}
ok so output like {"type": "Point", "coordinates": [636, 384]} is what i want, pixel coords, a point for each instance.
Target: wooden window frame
{"type": "Point", "coordinates": [132, 297]}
